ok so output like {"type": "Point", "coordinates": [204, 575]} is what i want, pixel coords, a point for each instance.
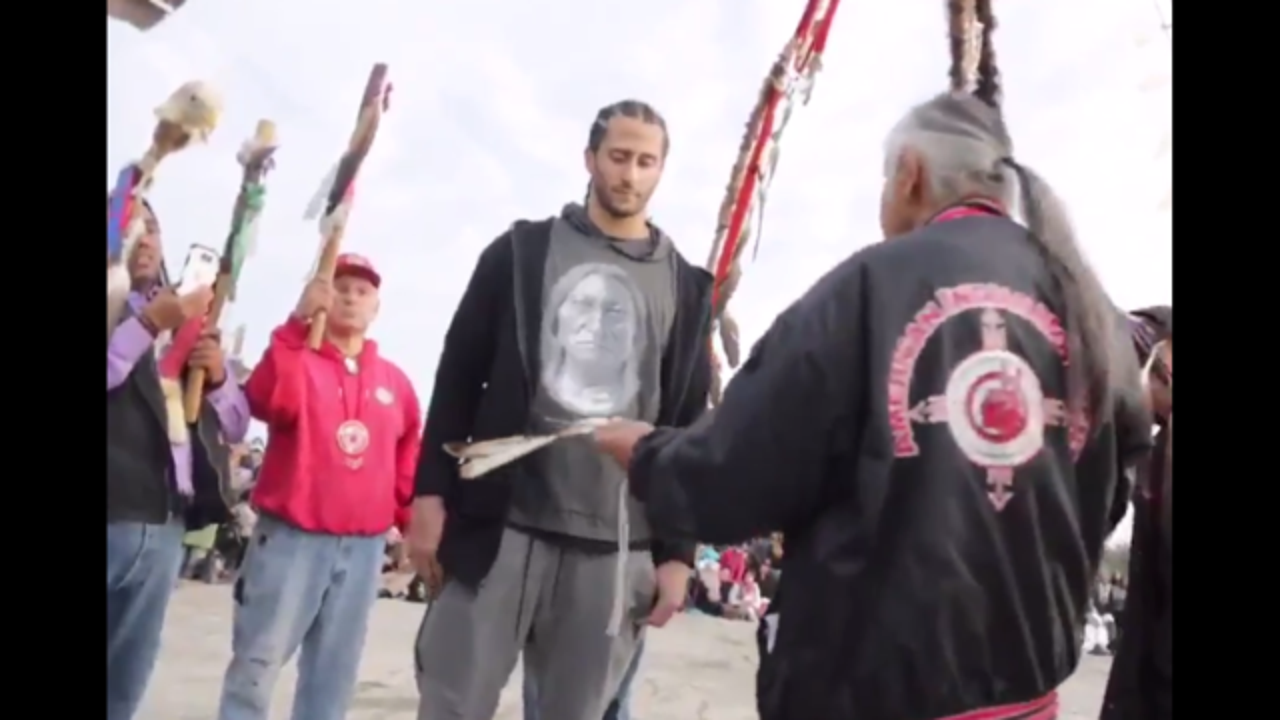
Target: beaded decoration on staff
{"type": "Point", "coordinates": [257, 157]}
{"type": "Point", "coordinates": [790, 81]}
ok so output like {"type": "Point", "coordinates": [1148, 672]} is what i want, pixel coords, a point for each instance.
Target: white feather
{"type": "Point", "coordinates": [482, 457]}
{"type": "Point", "coordinates": [316, 206]}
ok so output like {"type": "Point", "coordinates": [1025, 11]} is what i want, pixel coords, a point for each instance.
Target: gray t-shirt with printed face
{"type": "Point", "coordinates": [608, 307]}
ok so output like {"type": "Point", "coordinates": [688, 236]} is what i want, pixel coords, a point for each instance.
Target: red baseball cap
{"type": "Point", "coordinates": [357, 265]}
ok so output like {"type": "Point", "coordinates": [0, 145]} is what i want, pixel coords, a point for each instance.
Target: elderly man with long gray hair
{"type": "Point", "coordinates": [941, 427]}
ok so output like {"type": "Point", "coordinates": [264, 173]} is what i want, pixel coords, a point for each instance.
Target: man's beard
{"type": "Point", "coordinates": [606, 202]}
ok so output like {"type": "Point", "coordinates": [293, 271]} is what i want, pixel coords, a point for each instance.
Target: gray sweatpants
{"type": "Point", "coordinates": [551, 603]}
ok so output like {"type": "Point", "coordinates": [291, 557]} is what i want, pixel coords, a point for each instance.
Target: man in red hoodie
{"type": "Point", "coordinates": [336, 478]}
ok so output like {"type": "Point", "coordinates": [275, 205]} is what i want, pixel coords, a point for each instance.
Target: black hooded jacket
{"type": "Point", "coordinates": [901, 424]}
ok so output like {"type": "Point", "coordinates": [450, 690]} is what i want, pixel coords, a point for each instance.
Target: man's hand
{"type": "Point", "coordinates": [425, 530]}
{"type": "Point", "coordinates": [618, 439]}
{"type": "Point", "coordinates": [673, 588]}
{"type": "Point", "coordinates": [316, 296]}
{"type": "Point", "coordinates": [209, 356]}
{"type": "Point", "coordinates": [169, 310]}
{"type": "Point", "coordinates": [393, 536]}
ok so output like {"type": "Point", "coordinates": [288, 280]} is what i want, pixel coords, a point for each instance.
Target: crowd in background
{"type": "Point", "coordinates": [1101, 631]}
{"type": "Point", "coordinates": [735, 582]}
{"type": "Point", "coordinates": [214, 552]}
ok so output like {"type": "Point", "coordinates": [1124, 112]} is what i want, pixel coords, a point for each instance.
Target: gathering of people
{"type": "Point", "coordinates": [936, 440]}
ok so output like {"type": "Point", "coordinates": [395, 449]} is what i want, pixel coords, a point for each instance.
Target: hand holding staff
{"type": "Point", "coordinates": [337, 191]}
{"type": "Point", "coordinates": [257, 157]}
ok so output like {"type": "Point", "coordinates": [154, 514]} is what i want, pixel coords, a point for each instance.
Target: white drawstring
{"type": "Point", "coordinates": [620, 564]}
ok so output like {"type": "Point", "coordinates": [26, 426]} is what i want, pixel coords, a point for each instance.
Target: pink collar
{"type": "Point", "coordinates": [973, 208]}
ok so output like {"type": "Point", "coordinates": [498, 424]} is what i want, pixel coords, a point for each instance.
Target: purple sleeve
{"type": "Point", "coordinates": [232, 408]}
{"type": "Point", "coordinates": [127, 345]}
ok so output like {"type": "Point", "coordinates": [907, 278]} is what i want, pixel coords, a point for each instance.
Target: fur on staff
{"type": "Point", "coordinates": [971, 25]}
{"type": "Point", "coordinates": [190, 113]}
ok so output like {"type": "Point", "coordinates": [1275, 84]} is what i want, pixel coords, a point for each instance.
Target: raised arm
{"type": "Point", "coordinates": [275, 389]}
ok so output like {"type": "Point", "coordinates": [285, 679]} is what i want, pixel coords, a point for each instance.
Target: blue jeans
{"type": "Point", "coordinates": [142, 562]}
{"type": "Point", "coordinates": [300, 591]}
{"type": "Point", "coordinates": [619, 709]}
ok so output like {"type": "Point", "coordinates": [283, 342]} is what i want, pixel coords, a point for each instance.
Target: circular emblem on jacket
{"type": "Point", "coordinates": [995, 409]}
{"type": "Point", "coordinates": [353, 437]}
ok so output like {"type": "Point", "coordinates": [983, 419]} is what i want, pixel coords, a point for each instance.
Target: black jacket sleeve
{"type": "Point", "coordinates": [469, 346]}
{"type": "Point", "coordinates": [756, 463]}
{"type": "Point", "coordinates": [692, 406]}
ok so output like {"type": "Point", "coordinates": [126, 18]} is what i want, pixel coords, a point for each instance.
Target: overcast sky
{"type": "Point", "coordinates": [493, 100]}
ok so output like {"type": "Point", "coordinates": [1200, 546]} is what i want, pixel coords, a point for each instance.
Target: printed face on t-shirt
{"type": "Point", "coordinates": [593, 334]}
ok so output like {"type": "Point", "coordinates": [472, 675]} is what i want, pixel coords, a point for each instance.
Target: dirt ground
{"type": "Point", "coordinates": [697, 667]}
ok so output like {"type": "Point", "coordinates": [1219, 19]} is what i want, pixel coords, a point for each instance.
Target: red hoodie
{"type": "Point", "coordinates": [734, 560]}
{"type": "Point", "coordinates": [343, 446]}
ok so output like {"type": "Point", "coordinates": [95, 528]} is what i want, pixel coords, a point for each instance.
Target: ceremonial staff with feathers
{"type": "Point", "coordinates": [257, 158]}
{"type": "Point", "coordinates": [790, 79]}
{"type": "Point", "coordinates": [332, 202]}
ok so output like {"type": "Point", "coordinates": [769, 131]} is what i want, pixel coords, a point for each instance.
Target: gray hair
{"type": "Point", "coordinates": [964, 144]}
{"type": "Point", "coordinates": [967, 151]}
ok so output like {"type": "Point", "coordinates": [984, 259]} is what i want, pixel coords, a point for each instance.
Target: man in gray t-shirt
{"type": "Point", "coordinates": [550, 557]}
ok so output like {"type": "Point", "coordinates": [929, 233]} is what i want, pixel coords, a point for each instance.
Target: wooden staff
{"type": "Point", "coordinates": [190, 113]}
{"type": "Point", "coordinates": [338, 189]}
{"type": "Point", "coordinates": [257, 158]}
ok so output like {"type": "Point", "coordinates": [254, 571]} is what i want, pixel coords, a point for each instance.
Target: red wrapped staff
{"type": "Point", "coordinates": [790, 79]}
